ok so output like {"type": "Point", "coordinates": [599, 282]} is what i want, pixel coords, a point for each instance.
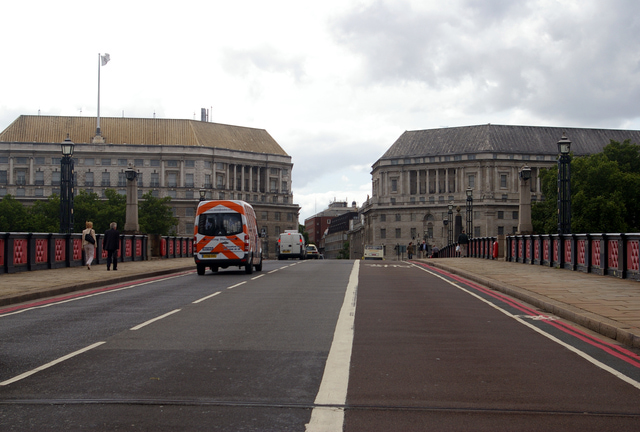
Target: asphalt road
{"type": "Point", "coordinates": [277, 351]}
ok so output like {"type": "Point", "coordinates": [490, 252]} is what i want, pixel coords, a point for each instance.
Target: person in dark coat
{"type": "Point", "coordinates": [111, 243]}
{"type": "Point", "coordinates": [463, 241]}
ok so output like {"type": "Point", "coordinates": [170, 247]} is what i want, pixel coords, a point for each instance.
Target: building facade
{"type": "Point", "coordinates": [318, 225]}
{"type": "Point", "coordinates": [419, 186]}
{"type": "Point", "coordinates": [174, 158]}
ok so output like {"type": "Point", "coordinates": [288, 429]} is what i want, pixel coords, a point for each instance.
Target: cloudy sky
{"type": "Point", "coordinates": [334, 82]}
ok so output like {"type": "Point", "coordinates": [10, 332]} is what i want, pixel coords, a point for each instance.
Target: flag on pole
{"type": "Point", "coordinates": [105, 59]}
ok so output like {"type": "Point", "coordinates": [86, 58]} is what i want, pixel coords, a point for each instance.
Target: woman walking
{"type": "Point", "coordinates": [89, 243]}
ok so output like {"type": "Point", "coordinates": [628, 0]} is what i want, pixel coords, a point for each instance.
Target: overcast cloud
{"type": "Point", "coordinates": [336, 82]}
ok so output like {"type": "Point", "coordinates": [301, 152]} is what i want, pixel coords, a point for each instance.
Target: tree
{"type": "Point", "coordinates": [344, 252]}
{"type": "Point", "coordinates": [13, 216]}
{"type": "Point", "coordinates": [86, 207]}
{"type": "Point", "coordinates": [605, 192]}
{"type": "Point", "coordinates": [45, 215]}
{"type": "Point", "coordinates": [156, 216]}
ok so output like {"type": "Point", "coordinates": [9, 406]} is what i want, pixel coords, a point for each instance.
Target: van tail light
{"type": "Point", "coordinates": [246, 244]}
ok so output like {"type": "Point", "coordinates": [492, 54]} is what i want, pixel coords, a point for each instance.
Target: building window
{"type": "Point", "coordinates": [106, 179]}
{"type": "Point", "coordinates": [105, 162]}
{"type": "Point", "coordinates": [500, 230]}
{"type": "Point", "coordinates": [3, 191]}
{"type": "Point", "coordinates": [90, 161]}
{"type": "Point", "coordinates": [207, 181]}
{"type": "Point", "coordinates": [172, 163]}
{"type": "Point", "coordinates": [505, 197]}
{"type": "Point", "coordinates": [383, 218]}
{"type": "Point", "coordinates": [138, 162]}
{"type": "Point", "coordinates": [274, 171]}
{"type": "Point", "coordinates": [472, 181]}
{"type": "Point", "coordinates": [122, 162]}
{"type": "Point", "coordinates": [88, 179]}
{"type": "Point", "coordinates": [398, 217]}
{"type": "Point", "coordinates": [21, 177]}
{"type": "Point", "coordinates": [515, 215]}
{"type": "Point", "coordinates": [172, 180]}
{"type": "Point", "coordinates": [500, 215]}
{"type": "Point", "coordinates": [155, 180]}
{"type": "Point", "coordinates": [432, 200]}
{"type": "Point", "coordinates": [4, 160]}
{"type": "Point", "coordinates": [383, 233]}
{"type": "Point", "coordinates": [122, 179]}
{"type": "Point", "coordinates": [39, 192]}
{"type": "Point", "coordinates": [393, 201]}
{"type": "Point", "coordinates": [140, 182]}
{"type": "Point", "coordinates": [413, 233]}
{"type": "Point", "coordinates": [190, 163]}
{"type": "Point", "coordinates": [277, 216]}
{"type": "Point", "coordinates": [55, 161]}
{"type": "Point", "coordinates": [21, 160]}
{"type": "Point", "coordinates": [398, 233]}
{"type": "Point", "coordinates": [503, 181]}
{"type": "Point", "coordinates": [39, 178]}
{"type": "Point", "coordinates": [55, 178]}
{"type": "Point", "coordinates": [122, 192]}
{"type": "Point", "coordinates": [188, 180]}
{"type": "Point", "coordinates": [20, 192]}
{"type": "Point", "coordinates": [273, 185]}
{"type": "Point", "coordinates": [172, 193]}
{"type": "Point", "coordinates": [284, 186]}
{"type": "Point", "coordinates": [471, 157]}
{"type": "Point", "coordinates": [155, 162]}
{"type": "Point", "coordinates": [220, 181]}
{"type": "Point", "coordinates": [264, 216]}
{"type": "Point", "coordinates": [219, 166]}
{"type": "Point", "coordinates": [394, 185]}
{"type": "Point", "coordinates": [155, 193]}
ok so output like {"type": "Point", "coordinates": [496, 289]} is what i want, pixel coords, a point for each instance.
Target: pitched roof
{"type": "Point", "coordinates": [489, 138]}
{"type": "Point", "coordinates": [142, 131]}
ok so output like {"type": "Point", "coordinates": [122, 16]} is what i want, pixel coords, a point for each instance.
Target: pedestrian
{"type": "Point", "coordinates": [463, 242]}
{"type": "Point", "coordinates": [434, 252]}
{"type": "Point", "coordinates": [89, 243]}
{"type": "Point", "coordinates": [410, 250]}
{"type": "Point", "coordinates": [423, 249]}
{"type": "Point", "coordinates": [111, 243]}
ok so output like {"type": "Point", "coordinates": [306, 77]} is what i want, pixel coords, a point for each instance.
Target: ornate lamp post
{"type": "Point", "coordinates": [66, 187]}
{"type": "Point", "coordinates": [469, 212]}
{"type": "Point", "coordinates": [450, 233]}
{"type": "Point", "coordinates": [564, 186]}
{"type": "Point", "coordinates": [524, 213]}
{"type": "Point", "coordinates": [203, 194]}
{"type": "Point", "coordinates": [131, 224]}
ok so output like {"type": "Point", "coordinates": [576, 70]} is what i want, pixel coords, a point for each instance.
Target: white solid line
{"type": "Point", "coordinates": [582, 354]}
{"type": "Point", "coordinates": [333, 388]}
{"type": "Point", "coordinates": [273, 271]}
{"type": "Point", "coordinates": [237, 285]}
{"type": "Point", "coordinates": [207, 297]}
{"type": "Point", "coordinates": [48, 365]}
{"type": "Point", "coordinates": [257, 277]}
{"type": "Point", "coordinates": [139, 326]}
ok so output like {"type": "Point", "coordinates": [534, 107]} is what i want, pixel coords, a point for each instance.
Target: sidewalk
{"type": "Point", "coordinates": [604, 304]}
{"type": "Point", "coordinates": [31, 285]}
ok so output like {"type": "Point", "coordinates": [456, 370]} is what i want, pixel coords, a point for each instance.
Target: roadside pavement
{"type": "Point", "coordinates": [603, 304]}
{"type": "Point", "coordinates": [32, 285]}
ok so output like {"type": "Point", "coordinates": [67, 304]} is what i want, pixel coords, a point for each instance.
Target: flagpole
{"type": "Point", "coordinates": [98, 125]}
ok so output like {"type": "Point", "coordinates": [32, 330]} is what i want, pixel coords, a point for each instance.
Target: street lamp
{"type": "Point", "coordinates": [524, 211]}
{"type": "Point", "coordinates": [203, 194]}
{"type": "Point", "coordinates": [469, 212]}
{"type": "Point", "coordinates": [66, 187]}
{"type": "Point", "coordinates": [131, 224]}
{"type": "Point", "coordinates": [450, 233]}
{"type": "Point", "coordinates": [564, 186]}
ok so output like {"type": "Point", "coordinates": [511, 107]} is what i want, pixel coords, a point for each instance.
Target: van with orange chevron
{"type": "Point", "coordinates": [226, 234]}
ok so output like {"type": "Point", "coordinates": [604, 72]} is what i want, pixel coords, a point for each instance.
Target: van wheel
{"type": "Point", "coordinates": [214, 269]}
{"type": "Point", "coordinates": [201, 269]}
{"type": "Point", "coordinates": [248, 269]}
{"type": "Point", "coordinates": [259, 266]}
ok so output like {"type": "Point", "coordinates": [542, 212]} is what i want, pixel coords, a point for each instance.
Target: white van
{"type": "Point", "coordinates": [226, 234]}
{"type": "Point", "coordinates": [291, 245]}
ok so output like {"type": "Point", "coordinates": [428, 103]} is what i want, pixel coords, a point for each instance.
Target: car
{"type": "Point", "coordinates": [312, 252]}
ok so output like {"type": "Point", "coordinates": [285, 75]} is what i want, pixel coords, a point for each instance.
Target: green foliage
{"type": "Point", "coordinates": [305, 234]}
{"type": "Point", "coordinates": [155, 215]}
{"type": "Point", "coordinates": [13, 216]}
{"type": "Point", "coordinates": [605, 192]}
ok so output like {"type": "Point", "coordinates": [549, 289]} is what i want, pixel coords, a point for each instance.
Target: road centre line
{"type": "Point", "coordinates": [207, 297]}
{"type": "Point", "coordinates": [273, 271]}
{"type": "Point", "coordinates": [48, 365]}
{"type": "Point", "coordinates": [139, 326]}
{"type": "Point", "coordinates": [257, 277]}
{"type": "Point", "coordinates": [582, 354]}
{"type": "Point", "coordinates": [237, 285]}
{"type": "Point", "coordinates": [332, 394]}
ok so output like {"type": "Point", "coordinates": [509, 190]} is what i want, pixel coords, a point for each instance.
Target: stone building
{"type": "Point", "coordinates": [174, 158]}
{"type": "Point", "coordinates": [424, 171]}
